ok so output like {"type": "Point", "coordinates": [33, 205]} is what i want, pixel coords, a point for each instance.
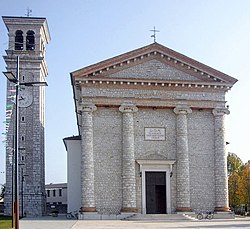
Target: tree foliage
{"type": "Point", "coordinates": [238, 181]}
{"type": "Point", "coordinates": [234, 163]}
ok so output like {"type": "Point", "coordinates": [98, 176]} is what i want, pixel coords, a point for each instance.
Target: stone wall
{"type": "Point", "coordinates": [108, 155]}
{"type": "Point", "coordinates": [201, 156]}
{"type": "Point", "coordinates": [107, 158]}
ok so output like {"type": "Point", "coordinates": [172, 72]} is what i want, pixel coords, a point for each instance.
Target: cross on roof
{"type": "Point", "coordinates": [154, 35]}
{"type": "Point", "coordinates": [29, 11]}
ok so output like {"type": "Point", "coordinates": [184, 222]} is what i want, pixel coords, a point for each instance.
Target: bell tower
{"type": "Point", "coordinates": [28, 37]}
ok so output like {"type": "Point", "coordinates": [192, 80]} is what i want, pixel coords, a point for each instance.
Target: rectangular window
{"type": "Point", "coordinates": [54, 192]}
{"type": "Point", "coordinates": [48, 193]}
{"type": "Point", "coordinates": [60, 192]}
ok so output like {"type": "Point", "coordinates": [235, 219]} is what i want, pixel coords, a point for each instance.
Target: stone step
{"type": "Point", "coordinates": [152, 217]}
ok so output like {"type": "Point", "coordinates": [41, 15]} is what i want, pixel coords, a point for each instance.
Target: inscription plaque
{"type": "Point", "coordinates": [154, 134]}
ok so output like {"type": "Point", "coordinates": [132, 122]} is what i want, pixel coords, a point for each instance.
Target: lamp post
{"type": "Point", "coordinates": [15, 79]}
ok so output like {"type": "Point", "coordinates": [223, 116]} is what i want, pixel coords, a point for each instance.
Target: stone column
{"type": "Point", "coordinates": [128, 159]}
{"type": "Point", "coordinates": [220, 161]}
{"type": "Point", "coordinates": [24, 42]}
{"type": "Point", "coordinates": [87, 160]}
{"type": "Point", "coordinates": [182, 158]}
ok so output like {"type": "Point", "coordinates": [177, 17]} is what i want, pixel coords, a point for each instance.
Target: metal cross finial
{"type": "Point", "coordinates": [154, 35]}
{"type": "Point", "coordinates": [29, 11]}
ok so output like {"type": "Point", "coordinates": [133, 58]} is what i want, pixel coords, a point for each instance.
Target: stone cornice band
{"type": "Point", "coordinates": [131, 108]}
{"type": "Point", "coordinates": [131, 82]}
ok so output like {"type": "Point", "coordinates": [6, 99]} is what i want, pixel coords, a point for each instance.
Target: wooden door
{"type": "Point", "coordinates": [155, 192]}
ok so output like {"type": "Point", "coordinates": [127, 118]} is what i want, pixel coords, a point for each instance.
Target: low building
{"type": "Point", "coordinates": [74, 173]}
{"type": "Point", "coordinates": [56, 195]}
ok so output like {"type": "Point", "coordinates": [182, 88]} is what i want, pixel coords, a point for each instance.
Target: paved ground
{"type": "Point", "coordinates": [62, 223]}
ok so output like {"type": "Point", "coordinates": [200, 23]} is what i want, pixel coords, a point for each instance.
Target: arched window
{"type": "Point", "coordinates": [19, 40]}
{"type": "Point", "coordinates": [30, 40]}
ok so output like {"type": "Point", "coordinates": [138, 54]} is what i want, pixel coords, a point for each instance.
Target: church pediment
{"type": "Point", "coordinates": [153, 70]}
{"type": "Point", "coordinates": [155, 63]}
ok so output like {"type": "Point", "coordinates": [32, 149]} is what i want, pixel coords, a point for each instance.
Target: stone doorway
{"type": "Point", "coordinates": [157, 167]}
{"type": "Point", "coordinates": [155, 192]}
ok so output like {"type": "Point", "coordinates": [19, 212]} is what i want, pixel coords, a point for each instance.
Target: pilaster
{"type": "Point", "coordinates": [128, 159]}
{"type": "Point", "coordinates": [87, 160]}
{"type": "Point", "coordinates": [183, 180]}
{"type": "Point", "coordinates": [220, 161]}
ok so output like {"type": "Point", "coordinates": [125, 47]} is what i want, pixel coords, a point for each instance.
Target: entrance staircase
{"type": "Point", "coordinates": [159, 217]}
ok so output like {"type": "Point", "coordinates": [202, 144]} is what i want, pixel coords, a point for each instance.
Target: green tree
{"type": "Point", "coordinates": [234, 163]}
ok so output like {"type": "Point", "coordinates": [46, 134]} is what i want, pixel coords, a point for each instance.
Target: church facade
{"type": "Point", "coordinates": [151, 135]}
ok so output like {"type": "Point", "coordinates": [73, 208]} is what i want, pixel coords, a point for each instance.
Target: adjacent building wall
{"type": "Point", "coordinates": [73, 146]}
{"type": "Point", "coordinates": [56, 197]}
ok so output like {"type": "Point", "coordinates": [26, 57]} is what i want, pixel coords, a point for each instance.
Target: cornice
{"type": "Point", "coordinates": [152, 83]}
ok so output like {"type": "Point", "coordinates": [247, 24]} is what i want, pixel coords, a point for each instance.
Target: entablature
{"type": "Point", "coordinates": [152, 83]}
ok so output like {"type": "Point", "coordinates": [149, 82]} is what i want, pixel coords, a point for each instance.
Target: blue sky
{"type": "Point", "coordinates": [84, 32]}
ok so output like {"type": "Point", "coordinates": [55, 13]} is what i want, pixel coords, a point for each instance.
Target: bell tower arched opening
{"type": "Point", "coordinates": [30, 40]}
{"type": "Point", "coordinates": [19, 40]}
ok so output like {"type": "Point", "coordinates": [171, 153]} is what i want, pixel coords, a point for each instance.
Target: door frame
{"type": "Point", "coordinates": [156, 166]}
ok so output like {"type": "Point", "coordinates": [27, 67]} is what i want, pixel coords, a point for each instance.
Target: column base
{"type": "Point", "coordinates": [87, 209]}
{"type": "Point", "coordinates": [129, 210]}
{"type": "Point", "coordinates": [183, 209]}
{"type": "Point", "coordinates": [222, 209]}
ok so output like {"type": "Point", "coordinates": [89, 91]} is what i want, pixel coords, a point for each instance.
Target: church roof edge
{"type": "Point", "coordinates": [77, 137]}
{"type": "Point", "coordinates": [153, 47]}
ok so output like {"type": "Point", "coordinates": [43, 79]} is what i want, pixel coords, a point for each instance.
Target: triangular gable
{"type": "Point", "coordinates": [194, 70]}
{"type": "Point", "coordinates": [154, 70]}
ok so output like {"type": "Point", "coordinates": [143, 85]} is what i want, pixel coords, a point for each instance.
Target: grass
{"type": "Point", "coordinates": [5, 222]}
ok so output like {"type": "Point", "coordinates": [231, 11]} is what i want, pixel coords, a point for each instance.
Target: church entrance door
{"type": "Point", "coordinates": [155, 192]}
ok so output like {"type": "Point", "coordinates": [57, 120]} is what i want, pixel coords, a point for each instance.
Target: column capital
{"type": "Point", "coordinates": [182, 110]}
{"type": "Point", "coordinates": [88, 107]}
{"type": "Point", "coordinates": [220, 111]}
{"type": "Point", "coordinates": [128, 108]}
